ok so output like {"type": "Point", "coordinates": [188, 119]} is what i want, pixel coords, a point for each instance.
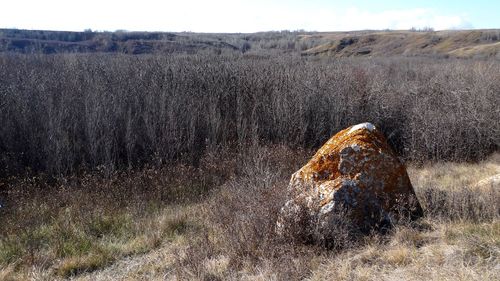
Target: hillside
{"type": "Point", "coordinates": [50, 42]}
{"type": "Point", "coordinates": [459, 44]}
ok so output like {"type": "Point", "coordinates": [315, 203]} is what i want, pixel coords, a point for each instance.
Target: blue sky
{"type": "Point", "coordinates": [247, 16]}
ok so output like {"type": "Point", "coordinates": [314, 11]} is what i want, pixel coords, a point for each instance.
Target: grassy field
{"type": "Point", "coordinates": [216, 222]}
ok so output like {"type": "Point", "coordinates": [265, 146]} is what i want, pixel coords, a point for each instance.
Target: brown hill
{"type": "Point", "coordinates": [461, 44]}
{"type": "Point", "coordinates": [51, 42]}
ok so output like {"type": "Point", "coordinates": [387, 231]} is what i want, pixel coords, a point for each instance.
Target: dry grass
{"type": "Point", "coordinates": [479, 51]}
{"type": "Point", "coordinates": [86, 252]}
{"type": "Point", "coordinates": [449, 176]}
{"type": "Point", "coordinates": [459, 44]}
{"type": "Point", "coordinates": [433, 256]}
{"type": "Point", "coordinates": [75, 225]}
{"type": "Point", "coordinates": [154, 233]}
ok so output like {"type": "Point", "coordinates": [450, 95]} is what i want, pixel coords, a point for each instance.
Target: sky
{"type": "Point", "coordinates": [247, 16]}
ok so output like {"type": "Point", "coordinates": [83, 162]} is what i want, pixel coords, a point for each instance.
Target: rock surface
{"type": "Point", "coordinates": [355, 176]}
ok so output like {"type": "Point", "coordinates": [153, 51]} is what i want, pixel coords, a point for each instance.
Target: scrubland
{"type": "Point", "coordinates": [216, 222]}
{"type": "Point", "coordinates": [66, 113]}
{"type": "Point", "coordinates": [116, 167]}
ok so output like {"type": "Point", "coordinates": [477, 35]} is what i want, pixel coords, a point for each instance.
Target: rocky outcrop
{"type": "Point", "coordinates": [355, 174]}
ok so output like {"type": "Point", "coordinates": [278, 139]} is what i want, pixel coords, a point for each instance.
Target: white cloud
{"type": "Point", "coordinates": [405, 19]}
{"type": "Point", "coordinates": [357, 19]}
{"type": "Point", "coordinates": [213, 16]}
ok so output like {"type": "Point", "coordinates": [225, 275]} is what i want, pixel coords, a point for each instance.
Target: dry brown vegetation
{"type": "Point", "coordinates": [457, 44]}
{"type": "Point", "coordinates": [369, 43]}
{"type": "Point", "coordinates": [216, 222]}
{"type": "Point", "coordinates": [66, 113]}
{"type": "Point", "coordinates": [116, 167]}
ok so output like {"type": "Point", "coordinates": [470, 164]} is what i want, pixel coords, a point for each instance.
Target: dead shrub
{"type": "Point", "coordinates": [73, 112]}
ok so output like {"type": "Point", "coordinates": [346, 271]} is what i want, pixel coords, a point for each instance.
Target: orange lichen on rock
{"type": "Point", "coordinates": [355, 169]}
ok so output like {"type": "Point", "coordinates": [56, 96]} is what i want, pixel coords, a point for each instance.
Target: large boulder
{"type": "Point", "coordinates": [354, 177]}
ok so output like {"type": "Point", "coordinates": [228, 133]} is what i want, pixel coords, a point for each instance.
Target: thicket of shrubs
{"type": "Point", "coordinates": [62, 113]}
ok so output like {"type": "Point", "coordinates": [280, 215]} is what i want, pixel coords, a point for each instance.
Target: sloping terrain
{"type": "Point", "coordinates": [461, 44]}
{"type": "Point", "coordinates": [50, 42]}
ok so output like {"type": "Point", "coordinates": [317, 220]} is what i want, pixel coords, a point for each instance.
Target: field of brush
{"type": "Point", "coordinates": [174, 167]}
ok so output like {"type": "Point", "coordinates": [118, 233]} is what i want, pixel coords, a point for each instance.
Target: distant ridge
{"type": "Point", "coordinates": [454, 44]}
{"type": "Point", "coordinates": [460, 44]}
{"type": "Point", "coordinates": [51, 42]}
